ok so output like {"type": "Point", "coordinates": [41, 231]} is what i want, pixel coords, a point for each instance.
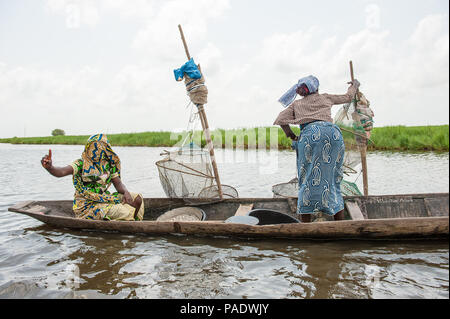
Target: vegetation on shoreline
{"type": "Point", "coordinates": [421, 138]}
{"type": "Point", "coordinates": [395, 138]}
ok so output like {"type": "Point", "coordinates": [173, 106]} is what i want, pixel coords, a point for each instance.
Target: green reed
{"type": "Point", "coordinates": [396, 138]}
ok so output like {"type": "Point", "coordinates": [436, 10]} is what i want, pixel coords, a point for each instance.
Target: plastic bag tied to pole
{"type": "Point", "coordinates": [194, 82]}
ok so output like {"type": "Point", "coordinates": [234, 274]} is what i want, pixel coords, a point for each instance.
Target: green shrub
{"type": "Point", "coordinates": [57, 132]}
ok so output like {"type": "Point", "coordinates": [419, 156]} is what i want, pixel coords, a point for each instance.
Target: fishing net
{"type": "Point", "coordinates": [213, 192]}
{"type": "Point", "coordinates": [186, 172]}
{"type": "Point", "coordinates": [355, 119]}
{"type": "Point", "coordinates": [289, 189]}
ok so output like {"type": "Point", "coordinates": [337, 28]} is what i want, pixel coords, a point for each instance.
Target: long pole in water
{"type": "Point", "coordinates": [362, 150]}
{"type": "Point", "coordinates": [204, 121]}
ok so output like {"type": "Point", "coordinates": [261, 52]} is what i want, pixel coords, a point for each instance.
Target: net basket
{"type": "Point", "coordinates": [285, 190]}
{"type": "Point", "coordinates": [187, 173]}
{"type": "Point", "coordinates": [213, 192]}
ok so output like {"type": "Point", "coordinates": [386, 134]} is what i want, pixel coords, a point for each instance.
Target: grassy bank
{"type": "Point", "coordinates": [395, 138]}
{"type": "Point", "coordinates": [420, 138]}
{"type": "Point", "coordinates": [125, 139]}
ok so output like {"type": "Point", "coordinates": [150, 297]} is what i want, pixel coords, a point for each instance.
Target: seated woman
{"type": "Point", "coordinates": [92, 175]}
{"type": "Point", "coordinates": [320, 147]}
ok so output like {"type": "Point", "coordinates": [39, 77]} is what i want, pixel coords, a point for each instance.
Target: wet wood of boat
{"type": "Point", "coordinates": [371, 217]}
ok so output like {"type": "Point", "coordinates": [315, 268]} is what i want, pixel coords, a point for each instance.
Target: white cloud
{"type": "Point", "coordinates": [138, 90]}
{"type": "Point", "coordinates": [373, 16]}
{"type": "Point", "coordinates": [159, 39]}
{"type": "Point", "coordinates": [131, 9]}
{"type": "Point", "coordinates": [401, 79]}
{"type": "Point", "coordinates": [212, 58]}
{"type": "Point", "coordinates": [429, 47]}
{"type": "Point", "coordinates": [77, 13]}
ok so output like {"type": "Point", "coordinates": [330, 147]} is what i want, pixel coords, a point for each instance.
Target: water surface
{"type": "Point", "coordinates": [38, 261]}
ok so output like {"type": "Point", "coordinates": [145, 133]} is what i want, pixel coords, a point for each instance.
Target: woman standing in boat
{"type": "Point", "coordinates": [93, 173]}
{"type": "Point", "coordinates": [320, 146]}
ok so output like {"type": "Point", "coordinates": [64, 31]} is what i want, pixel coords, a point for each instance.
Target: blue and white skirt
{"type": "Point", "coordinates": [320, 156]}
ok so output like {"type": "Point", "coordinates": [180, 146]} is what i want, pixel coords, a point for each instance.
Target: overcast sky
{"type": "Point", "coordinates": [89, 66]}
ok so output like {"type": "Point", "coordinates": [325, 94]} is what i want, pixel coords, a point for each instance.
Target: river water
{"type": "Point", "coordinates": [38, 261]}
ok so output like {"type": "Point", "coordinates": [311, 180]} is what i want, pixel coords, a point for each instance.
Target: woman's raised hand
{"type": "Point", "coordinates": [46, 161]}
{"type": "Point", "coordinates": [355, 82]}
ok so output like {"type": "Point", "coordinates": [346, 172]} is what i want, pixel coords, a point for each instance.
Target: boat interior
{"type": "Point", "coordinates": [356, 207]}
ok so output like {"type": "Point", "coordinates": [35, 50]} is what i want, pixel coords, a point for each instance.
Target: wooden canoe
{"type": "Point", "coordinates": [410, 216]}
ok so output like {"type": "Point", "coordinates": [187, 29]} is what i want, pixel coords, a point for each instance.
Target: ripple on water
{"type": "Point", "coordinates": [37, 261]}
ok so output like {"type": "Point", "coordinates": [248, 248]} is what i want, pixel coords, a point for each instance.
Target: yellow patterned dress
{"type": "Point", "coordinates": [92, 176]}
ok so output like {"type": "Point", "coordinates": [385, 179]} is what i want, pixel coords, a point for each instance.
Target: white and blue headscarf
{"type": "Point", "coordinates": [311, 82]}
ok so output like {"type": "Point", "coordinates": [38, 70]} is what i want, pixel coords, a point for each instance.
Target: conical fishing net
{"type": "Point", "coordinates": [184, 173]}
{"type": "Point", "coordinates": [289, 189]}
{"type": "Point", "coordinates": [213, 192]}
{"type": "Point", "coordinates": [187, 173]}
{"type": "Point", "coordinates": [355, 120]}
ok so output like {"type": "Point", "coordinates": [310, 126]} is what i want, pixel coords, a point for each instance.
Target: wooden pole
{"type": "Point", "coordinates": [184, 42]}
{"type": "Point", "coordinates": [204, 121]}
{"type": "Point", "coordinates": [362, 150]}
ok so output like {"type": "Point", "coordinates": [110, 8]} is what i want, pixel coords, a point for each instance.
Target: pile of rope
{"type": "Point", "coordinates": [196, 89]}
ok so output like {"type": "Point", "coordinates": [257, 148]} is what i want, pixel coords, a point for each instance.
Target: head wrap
{"type": "Point", "coordinates": [99, 159]}
{"type": "Point", "coordinates": [311, 82]}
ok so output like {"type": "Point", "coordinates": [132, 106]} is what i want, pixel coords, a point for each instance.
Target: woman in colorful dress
{"type": "Point", "coordinates": [320, 146]}
{"type": "Point", "coordinates": [93, 173]}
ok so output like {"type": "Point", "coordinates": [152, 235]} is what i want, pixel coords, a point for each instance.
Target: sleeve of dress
{"type": "Point", "coordinates": [76, 165]}
{"type": "Point", "coordinates": [286, 116]}
{"type": "Point", "coordinates": [114, 173]}
{"type": "Point", "coordinates": [342, 98]}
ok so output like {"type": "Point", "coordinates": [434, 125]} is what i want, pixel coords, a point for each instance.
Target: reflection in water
{"type": "Point", "coordinates": [123, 266]}
{"type": "Point", "coordinates": [38, 261]}
{"type": "Point", "coordinates": [99, 259]}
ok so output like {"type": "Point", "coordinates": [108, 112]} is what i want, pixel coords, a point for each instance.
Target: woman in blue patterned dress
{"type": "Point", "coordinates": [320, 146]}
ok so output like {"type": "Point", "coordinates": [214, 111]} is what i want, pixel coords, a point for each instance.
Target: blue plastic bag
{"type": "Point", "coordinates": [189, 68]}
